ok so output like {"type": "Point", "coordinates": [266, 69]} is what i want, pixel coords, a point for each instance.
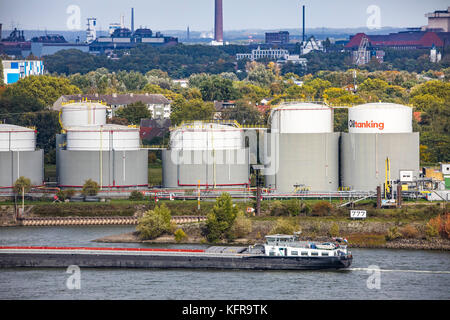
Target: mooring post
{"type": "Point", "coordinates": [399, 195]}
{"type": "Point", "coordinates": [378, 197]}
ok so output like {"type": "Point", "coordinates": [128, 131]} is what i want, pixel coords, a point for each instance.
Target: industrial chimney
{"type": "Point", "coordinates": [0, 32]}
{"type": "Point", "coordinates": [132, 19]}
{"type": "Point", "coordinates": [303, 35]}
{"type": "Point", "coordinates": [218, 25]}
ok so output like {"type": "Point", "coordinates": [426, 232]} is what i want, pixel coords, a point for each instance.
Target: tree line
{"type": "Point", "coordinates": [28, 102]}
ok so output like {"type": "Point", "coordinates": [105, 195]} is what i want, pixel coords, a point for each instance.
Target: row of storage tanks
{"type": "Point", "coordinates": [301, 151]}
{"type": "Point", "coordinates": [88, 148]}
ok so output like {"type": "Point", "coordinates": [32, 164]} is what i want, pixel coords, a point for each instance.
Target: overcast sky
{"type": "Point", "coordinates": [199, 14]}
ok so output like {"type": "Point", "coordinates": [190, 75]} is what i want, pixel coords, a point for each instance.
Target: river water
{"type": "Point", "coordinates": [403, 274]}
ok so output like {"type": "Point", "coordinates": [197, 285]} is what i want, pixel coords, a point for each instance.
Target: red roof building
{"type": "Point", "coordinates": [402, 40]}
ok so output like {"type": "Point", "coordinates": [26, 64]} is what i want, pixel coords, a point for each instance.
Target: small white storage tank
{"type": "Point", "coordinates": [380, 118]}
{"type": "Point", "coordinates": [83, 114]}
{"type": "Point", "coordinates": [16, 138]}
{"type": "Point", "coordinates": [377, 131]}
{"type": "Point", "coordinates": [302, 117]}
{"type": "Point", "coordinates": [104, 138]}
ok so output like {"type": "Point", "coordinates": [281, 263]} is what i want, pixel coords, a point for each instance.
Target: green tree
{"type": "Point", "coordinates": [221, 219]}
{"type": "Point", "coordinates": [155, 222]}
{"type": "Point", "coordinates": [259, 75]}
{"type": "Point", "coordinates": [187, 110]}
{"type": "Point", "coordinates": [244, 112]}
{"type": "Point", "coordinates": [44, 89]}
{"type": "Point", "coordinates": [22, 186]}
{"type": "Point", "coordinates": [134, 112]}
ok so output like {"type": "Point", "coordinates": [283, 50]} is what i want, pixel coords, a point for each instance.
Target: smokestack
{"type": "Point", "coordinates": [0, 31]}
{"type": "Point", "coordinates": [303, 35]}
{"type": "Point", "coordinates": [132, 19]}
{"type": "Point", "coordinates": [218, 22]}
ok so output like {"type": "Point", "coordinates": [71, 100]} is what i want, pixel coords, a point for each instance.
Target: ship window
{"type": "Point", "coordinates": [324, 253]}
{"type": "Point", "coordinates": [313, 253]}
{"type": "Point", "coordinates": [304, 253]}
{"type": "Point", "coordinates": [294, 253]}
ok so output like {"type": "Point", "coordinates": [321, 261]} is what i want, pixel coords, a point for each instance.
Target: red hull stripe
{"type": "Point", "coordinates": [99, 249]}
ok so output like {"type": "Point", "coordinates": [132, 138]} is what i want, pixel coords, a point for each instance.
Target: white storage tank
{"type": "Point", "coordinates": [302, 151]}
{"type": "Point", "coordinates": [210, 154]}
{"type": "Point", "coordinates": [16, 138]}
{"type": "Point", "coordinates": [380, 118]}
{"type": "Point", "coordinates": [302, 117]}
{"type": "Point", "coordinates": [83, 114]}
{"type": "Point", "coordinates": [102, 138]}
{"type": "Point", "coordinates": [377, 131]}
{"type": "Point", "coordinates": [203, 136]}
{"type": "Point", "coordinates": [19, 157]}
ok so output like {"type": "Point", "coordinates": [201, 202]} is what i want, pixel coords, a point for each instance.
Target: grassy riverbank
{"type": "Point", "coordinates": [318, 220]}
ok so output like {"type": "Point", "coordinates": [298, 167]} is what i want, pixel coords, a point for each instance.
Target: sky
{"type": "Point", "coordinates": [199, 14]}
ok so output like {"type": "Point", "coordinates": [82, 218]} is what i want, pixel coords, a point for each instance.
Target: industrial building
{"type": "Point", "coordinates": [91, 149]}
{"type": "Point", "coordinates": [377, 131]}
{"type": "Point", "coordinates": [281, 37]}
{"type": "Point", "coordinates": [19, 156]}
{"type": "Point", "coordinates": [264, 53]}
{"type": "Point", "coordinates": [211, 155]}
{"type": "Point", "coordinates": [14, 70]}
{"type": "Point", "coordinates": [302, 151]}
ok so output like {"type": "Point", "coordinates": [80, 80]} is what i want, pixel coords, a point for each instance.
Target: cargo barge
{"type": "Point", "coordinates": [280, 252]}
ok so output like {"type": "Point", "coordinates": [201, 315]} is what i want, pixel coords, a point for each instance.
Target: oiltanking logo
{"type": "Point", "coordinates": [366, 124]}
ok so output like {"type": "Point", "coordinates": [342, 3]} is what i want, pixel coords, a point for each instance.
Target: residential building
{"type": "Point", "coordinates": [156, 103]}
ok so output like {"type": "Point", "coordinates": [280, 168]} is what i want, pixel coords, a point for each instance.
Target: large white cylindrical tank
{"type": "Point", "coordinates": [16, 138]}
{"type": "Point", "coordinates": [102, 138]}
{"type": "Point", "coordinates": [302, 117]}
{"type": "Point", "coordinates": [206, 136]}
{"type": "Point", "coordinates": [83, 114]}
{"type": "Point", "coordinates": [380, 118]}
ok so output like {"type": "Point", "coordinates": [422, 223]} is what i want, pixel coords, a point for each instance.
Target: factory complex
{"type": "Point", "coordinates": [298, 153]}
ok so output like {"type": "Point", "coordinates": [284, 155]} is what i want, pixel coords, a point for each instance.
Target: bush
{"type": "Point", "coordinates": [154, 223]}
{"type": "Point", "coordinates": [334, 230]}
{"type": "Point", "coordinates": [409, 232]}
{"type": "Point", "coordinates": [439, 226]}
{"type": "Point", "coordinates": [277, 209]}
{"type": "Point", "coordinates": [180, 235]}
{"type": "Point", "coordinates": [284, 226]}
{"type": "Point", "coordinates": [432, 227]}
{"type": "Point", "coordinates": [136, 196]}
{"type": "Point", "coordinates": [321, 208]}
{"type": "Point", "coordinates": [293, 207]}
{"type": "Point", "coordinates": [242, 226]}
{"type": "Point", "coordinates": [393, 233]}
{"type": "Point", "coordinates": [305, 208]}
{"type": "Point", "coordinates": [65, 194]}
{"type": "Point", "coordinates": [69, 193]}
{"type": "Point", "coordinates": [90, 188]}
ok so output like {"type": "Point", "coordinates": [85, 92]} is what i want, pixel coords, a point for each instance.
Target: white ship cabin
{"type": "Point", "coordinates": [290, 246]}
